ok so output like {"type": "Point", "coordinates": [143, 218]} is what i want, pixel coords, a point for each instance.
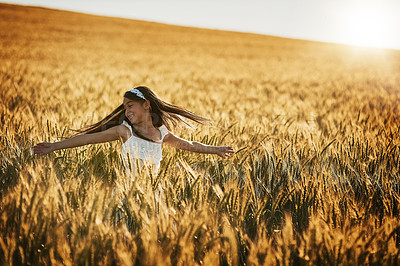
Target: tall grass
{"type": "Point", "coordinates": [315, 179]}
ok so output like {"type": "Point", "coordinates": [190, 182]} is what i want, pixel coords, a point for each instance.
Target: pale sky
{"type": "Point", "coordinates": [374, 23]}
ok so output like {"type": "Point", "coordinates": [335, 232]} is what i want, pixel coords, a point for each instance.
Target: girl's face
{"type": "Point", "coordinates": [135, 111]}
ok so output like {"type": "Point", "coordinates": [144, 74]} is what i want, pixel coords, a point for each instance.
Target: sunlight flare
{"type": "Point", "coordinates": [369, 25]}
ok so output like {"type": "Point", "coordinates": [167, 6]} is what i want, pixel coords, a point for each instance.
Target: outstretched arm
{"type": "Point", "coordinates": [114, 133]}
{"type": "Point", "coordinates": [179, 143]}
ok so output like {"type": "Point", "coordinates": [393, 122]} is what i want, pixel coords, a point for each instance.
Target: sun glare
{"type": "Point", "coordinates": [369, 25]}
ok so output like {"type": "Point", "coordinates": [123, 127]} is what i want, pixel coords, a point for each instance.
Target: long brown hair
{"type": "Point", "coordinates": [162, 113]}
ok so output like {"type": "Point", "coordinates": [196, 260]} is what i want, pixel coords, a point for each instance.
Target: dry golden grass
{"type": "Point", "coordinates": [315, 179]}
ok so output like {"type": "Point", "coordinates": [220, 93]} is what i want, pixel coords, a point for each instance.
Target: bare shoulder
{"type": "Point", "coordinates": [169, 137]}
{"type": "Point", "coordinates": [123, 132]}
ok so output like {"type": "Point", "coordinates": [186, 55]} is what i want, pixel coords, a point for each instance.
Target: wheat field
{"type": "Point", "coordinates": [315, 126]}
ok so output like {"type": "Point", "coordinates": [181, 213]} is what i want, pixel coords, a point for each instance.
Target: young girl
{"type": "Point", "coordinates": [142, 123]}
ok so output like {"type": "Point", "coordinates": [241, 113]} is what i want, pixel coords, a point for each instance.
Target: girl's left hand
{"type": "Point", "coordinates": [225, 151]}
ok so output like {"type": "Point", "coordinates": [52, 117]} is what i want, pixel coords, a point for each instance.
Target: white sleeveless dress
{"type": "Point", "coordinates": [137, 152]}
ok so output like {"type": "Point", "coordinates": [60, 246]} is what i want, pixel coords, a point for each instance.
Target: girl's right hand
{"type": "Point", "coordinates": [43, 148]}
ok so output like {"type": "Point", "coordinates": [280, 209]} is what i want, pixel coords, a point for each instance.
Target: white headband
{"type": "Point", "coordinates": [138, 93]}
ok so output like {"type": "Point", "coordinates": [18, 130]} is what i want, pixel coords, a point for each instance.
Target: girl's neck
{"type": "Point", "coordinates": [145, 125]}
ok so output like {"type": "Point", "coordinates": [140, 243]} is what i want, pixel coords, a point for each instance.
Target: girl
{"type": "Point", "coordinates": [142, 123]}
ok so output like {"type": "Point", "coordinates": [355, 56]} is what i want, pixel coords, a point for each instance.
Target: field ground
{"type": "Point", "coordinates": [316, 126]}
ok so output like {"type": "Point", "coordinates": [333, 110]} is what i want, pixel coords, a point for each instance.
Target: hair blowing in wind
{"type": "Point", "coordinates": [162, 112]}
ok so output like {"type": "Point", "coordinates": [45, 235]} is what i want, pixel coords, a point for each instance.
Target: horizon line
{"type": "Point", "coordinates": [100, 14]}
